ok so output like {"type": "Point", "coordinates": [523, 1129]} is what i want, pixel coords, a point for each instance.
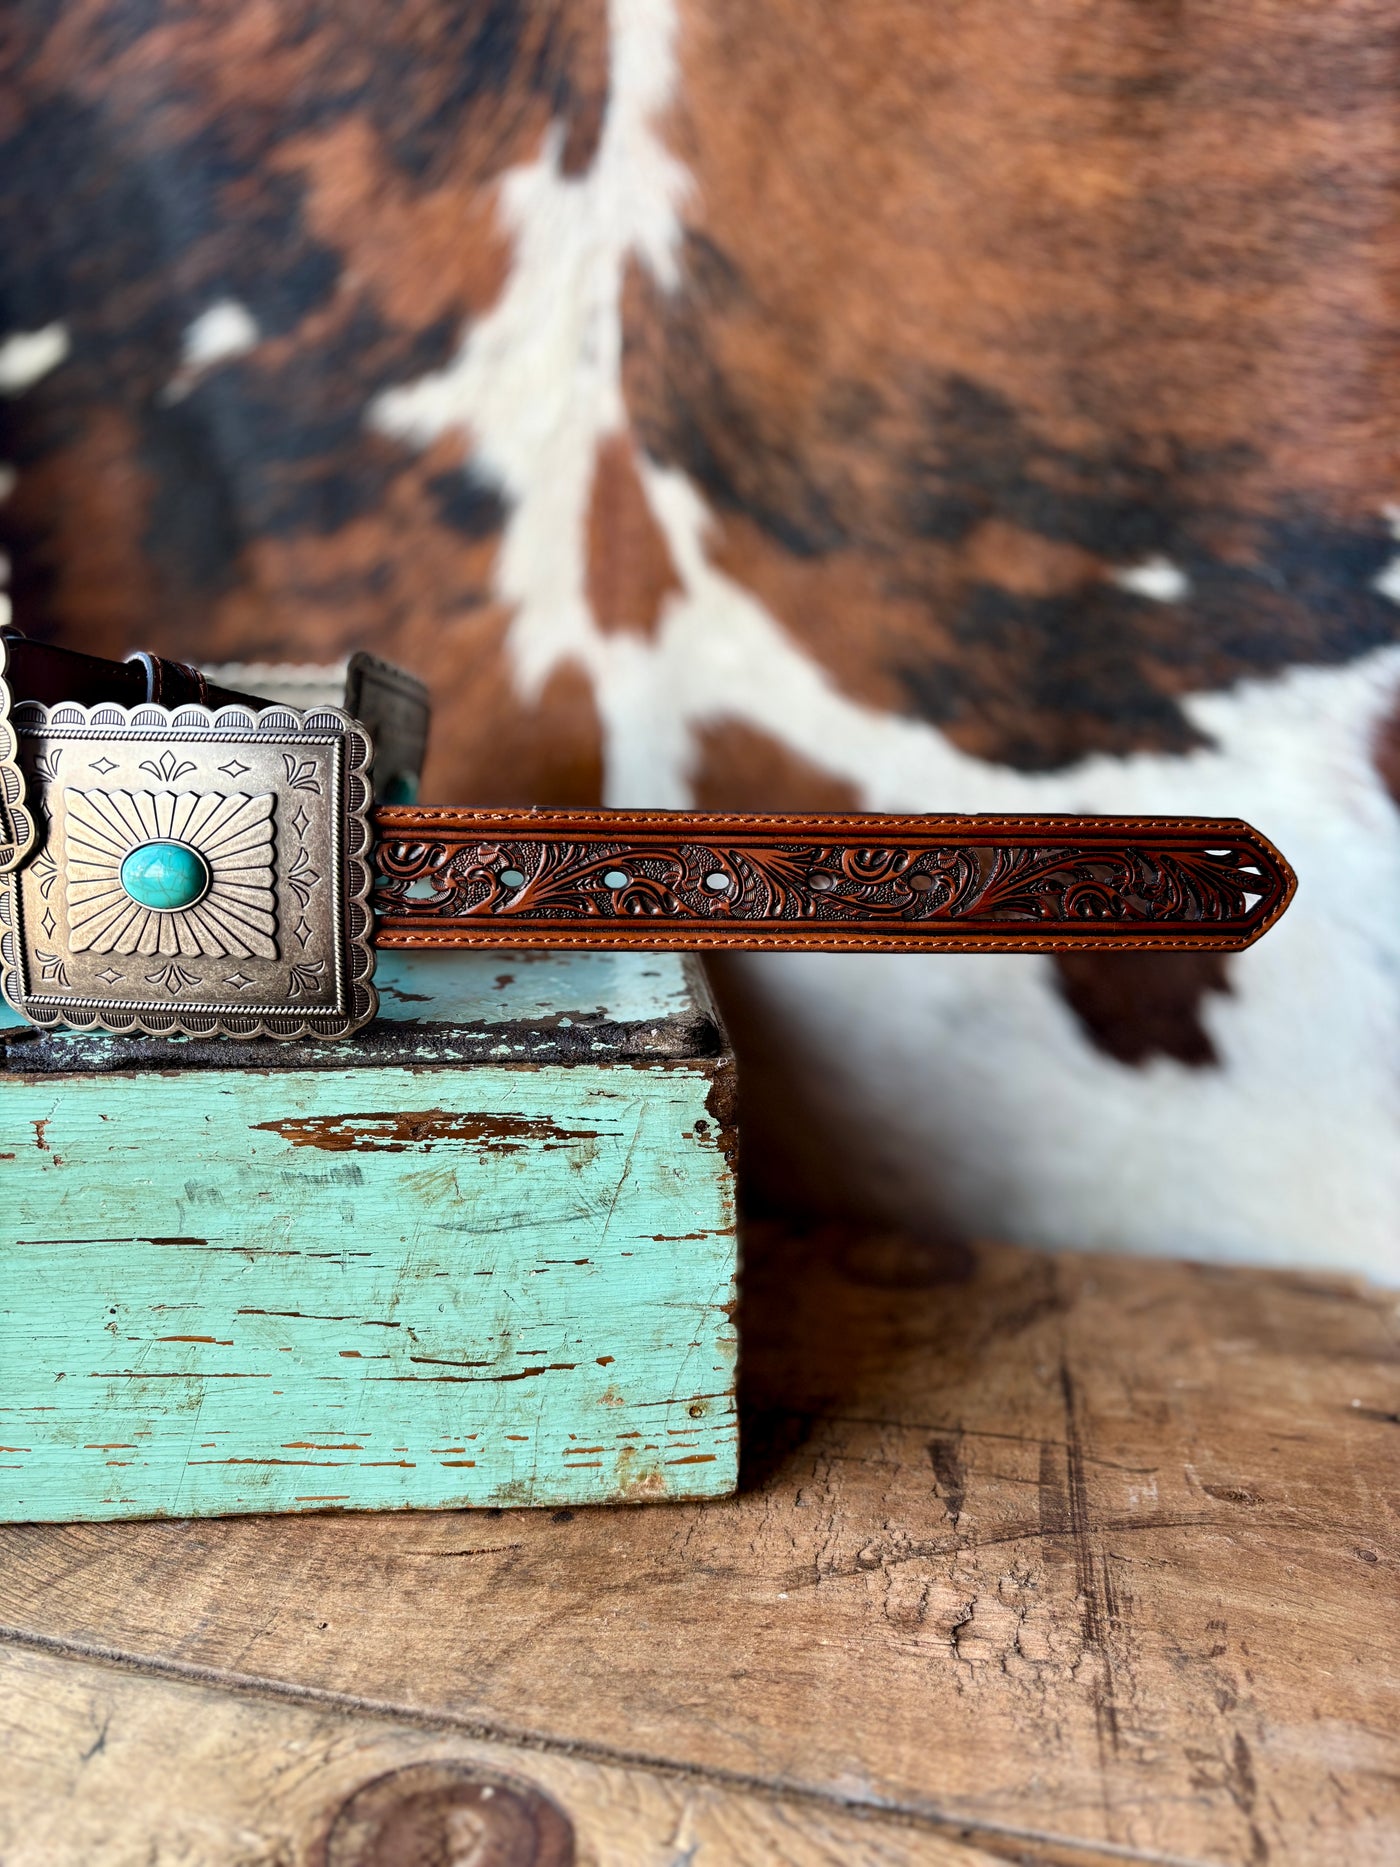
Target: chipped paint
{"type": "Point", "coordinates": [524, 1261]}
{"type": "Point", "coordinates": [571, 1010]}
{"type": "Point", "coordinates": [423, 1129]}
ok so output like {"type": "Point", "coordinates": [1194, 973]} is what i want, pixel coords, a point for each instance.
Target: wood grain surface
{"type": "Point", "coordinates": [1059, 1560]}
{"type": "Point", "coordinates": [101, 1760]}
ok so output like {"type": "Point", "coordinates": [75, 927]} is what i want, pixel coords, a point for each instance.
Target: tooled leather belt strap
{"type": "Point", "coordinates": [176, 857]}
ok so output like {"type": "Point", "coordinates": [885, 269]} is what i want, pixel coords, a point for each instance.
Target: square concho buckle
{"type": "Point", "coordinates": [195, 872]}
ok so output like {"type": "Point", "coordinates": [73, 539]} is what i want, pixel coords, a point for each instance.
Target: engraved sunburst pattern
{"type": "Point", "coordinates": [230, 833]}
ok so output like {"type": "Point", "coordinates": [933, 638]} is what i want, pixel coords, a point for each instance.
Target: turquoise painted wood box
{"type": "Point", "coordinates": [483, 1254]}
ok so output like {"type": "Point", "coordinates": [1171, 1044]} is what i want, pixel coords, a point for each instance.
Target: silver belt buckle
{"type": "Point", "coordinates": [17, 827]}
{"type": "Point", "coordinates": [186, 871]}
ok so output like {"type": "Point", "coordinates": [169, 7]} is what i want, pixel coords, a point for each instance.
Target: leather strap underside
{"type": "Point", "coordinates": [659, 879]}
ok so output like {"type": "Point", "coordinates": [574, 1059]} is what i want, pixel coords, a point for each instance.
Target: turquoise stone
{"type": "Point", "coordinates": [165, 875]}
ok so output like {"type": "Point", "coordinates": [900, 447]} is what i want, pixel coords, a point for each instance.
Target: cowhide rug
{"type": "Point", "coordinates": [947, 406]}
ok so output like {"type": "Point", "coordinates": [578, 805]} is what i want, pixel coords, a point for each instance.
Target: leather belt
{"type": "Point", "coordinates": [178, 857]}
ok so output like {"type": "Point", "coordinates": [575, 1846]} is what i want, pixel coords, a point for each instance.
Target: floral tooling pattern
{"type": "Point", "coordinates": [986, 886]}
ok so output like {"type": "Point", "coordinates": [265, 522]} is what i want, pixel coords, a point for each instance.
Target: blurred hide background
{"type": "Point", "coordinates": [792, 405]}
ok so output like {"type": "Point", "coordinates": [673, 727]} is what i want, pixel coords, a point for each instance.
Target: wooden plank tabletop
{"type": "Point", "coordinates": [1043, 1560]}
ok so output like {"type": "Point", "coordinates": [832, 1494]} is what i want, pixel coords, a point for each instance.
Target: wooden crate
{"type": "Point", "coordinates": [484, 1254]}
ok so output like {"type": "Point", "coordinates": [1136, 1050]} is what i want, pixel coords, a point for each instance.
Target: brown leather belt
{"type": "Point", "coordinates": [179, 857]}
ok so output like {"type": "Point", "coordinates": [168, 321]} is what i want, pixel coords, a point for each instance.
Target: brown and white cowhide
{"type": "Point", "coordinates": [902, 407]}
